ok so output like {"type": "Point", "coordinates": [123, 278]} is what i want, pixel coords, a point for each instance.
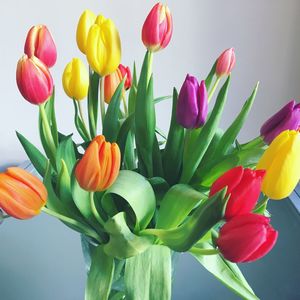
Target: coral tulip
{"type": "Point", "coordinates": [39, 43]}
{"type": "Point", "coordinates": [34, 80]}
{"type": "Point", "coordinates": [243, 186]}
{"type": "Point", "coordinates": [192, 104]}
{"type": "Point", "coordinates": [99, 166]}
{"type": "Point", "coordinates": [225, 62]}
{"type": "Point", "coordinates": [76, 79]}
{"type": "Point", "coordinates": [282, 163]}
{"type": "Point", "coordinates": [103, 48]}
{"type": "Point", "coordinates": [158, 28]}
{"type": "Point", "coordinates": [287, 118]}
{"type": "Point", "coordinates": [246, 238]}
{"type": "Point", "coordinates": [22, 195]}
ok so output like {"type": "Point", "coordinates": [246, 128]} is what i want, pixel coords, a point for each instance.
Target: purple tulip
{"type": "Point", "coordinates": [287, 118]}
{"type": "Point", "coordinates": [192, 104]}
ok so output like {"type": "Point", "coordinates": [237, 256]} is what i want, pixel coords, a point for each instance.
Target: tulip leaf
{"type": "Point", "coordinates": [122, 242]}
{"type": "Point", "coordinates": [93, 102]}
{"type": "Point", "coordinates": [36, 157]}
{"type": "Point", "coordinates": [100, 276]}
{"type": "Point", "coordinates": [210, 76]}
{"type": "Point", "coordinates": [80, 125]}
{"type": "Point", "coordinates": [204, 217]}
{"type": "Point", "coordinates": [160, 187]}
{"type": "Point", "coordinates": [172, 156]}
{"type": "Point", "coordinates": [111, 120]}
{"type": "Point", "coordinates": [157, 159]}
{"type": "Point", "coordinates": [148, 275]}
{"type": "Point", "coordinates": [163, 98]}
{"type": "Point", "coordinates": [193, 159]}
{"type": "Point", "coordinates": [226, 272]}
{"type": "Point", "coordinates": [176, 205]}
{"type": "Point", "coordinates": [134, 190]}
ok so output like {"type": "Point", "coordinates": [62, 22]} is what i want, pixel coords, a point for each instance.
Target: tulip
{"type": "Point", "coordinates": [34, 80]}
{"type": "Point", "coordinates": [22, 195]}
{"type": "Point", "coordinates": [103, 48]}
{"type": "Point", "coordinates": [39, 43]}
{"type": "Point", "coordinates": [282, 164]}
{"type": "Point", "coordinates": [225, 62]}
{"type": "Point", "coordinates": [243, 188]}
{"type": "Point", "coordinates": [86, 20]}
{"type": "Point", "coordinates": [287, 118]}
{"type": "Point", "coordinates": [246, 238]}
{"type": "Point", "coordinates": [158, 28]}
{"type": "Point", "coordinates": [76, 79]}
{"type": "Point", "coordinates": [192, 104]}
{"type": "Point", "coordinates": [112, 81]}
{"type": "Point", "coordinates": [99, 166]}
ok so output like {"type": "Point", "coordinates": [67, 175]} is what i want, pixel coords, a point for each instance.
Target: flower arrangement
{"type": "Point", "coordinates": [135, 194]}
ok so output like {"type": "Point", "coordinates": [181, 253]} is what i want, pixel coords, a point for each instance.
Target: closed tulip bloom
{"type": "Point", "coordinates": [76, 79]}
{"type": "Point", "coordinates": [22, 195]}
{"type": "Point", "coordinates": [39, 43]}
{"type": "Point", "coordinates": [282, 164]}
{"type": "Point", "coordinates": [192, 104]}
{"type": "Point", "coordinates": [34, 80]}
{"type": "Point", "coordinates": [125, 71]}
{"type": "Point", "coordinates": [103, 49]}
{"type": "Point", "coordinates": [243, 187]}
{"type": "Point", "coordinates": [225, 62]}
{"type": "Point", "coordinates": [86, 20]}
{"type": "Point", "coordinates": [246, 238]}
{"type": "Point", "coordinates": [99, 166]}
{"type": "Point", "coordinates": [287, 118]}
{"type": "Point", "coordinates": [158, 28]}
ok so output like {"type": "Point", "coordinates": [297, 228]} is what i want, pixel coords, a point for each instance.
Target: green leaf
{"type": "Point", "coordinates": [172, 157]}
{"type": "Point", "coordinates": [157, 160]}
{"type": "Point", "coordinates": [179, 201]}
{"type": "Point", "coordinates": [66, 152]}
{"type": "Point", "coordinates": [226, 272]}
{"type": "Point", "coordinates": [133, 189]}
{"type": "Point", "coordinates": [38, 160]}
{"type": "Point", "coordinates": [160, 99]}
{"type": "Point", "coordinates": [122, 242]}
{"type": "Point", "coordinates": [193, 159]}
{"type": "Point", "coordinates": [100, 276]}
{"type": "Point", "coordinates": [207, 215]}
{"type": "Point", "coordinates": [111, 120]}
{"type": "Point", "coordinates": [80, 125]}
{"type": "Point", "coordinates": [93, 104]}
{"type": "Point", "coordinates": [50, 111]}
{"type": "Point", "coordinates": [210, 76]}
{"type": "Point", "coordinates": [148, 275]}
{"type": "Point", "coordinates": [160, 187]}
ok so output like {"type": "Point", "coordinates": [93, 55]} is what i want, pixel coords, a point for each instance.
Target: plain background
{"type": "Point", "coordinates": [41, 259]}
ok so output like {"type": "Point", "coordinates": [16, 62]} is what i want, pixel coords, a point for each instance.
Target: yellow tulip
{"type": "Point", "coordinates": [76, 79]}
{"type": "Point", "coordinates": [103, 49]}
{"type": "Point", "coordinates": [86, 20]}
{"type": "Point", "coordinates": [282, 164]}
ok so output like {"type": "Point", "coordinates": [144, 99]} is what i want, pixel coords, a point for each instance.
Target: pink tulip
{"type": "Point", "coordinates": [225, 63]}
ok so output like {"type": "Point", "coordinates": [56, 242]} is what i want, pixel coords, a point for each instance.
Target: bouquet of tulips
{"type": "Point", "coordinates": [135, 194]}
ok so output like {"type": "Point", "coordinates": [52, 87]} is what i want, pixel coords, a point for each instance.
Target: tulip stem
{"type": "Point", "coordinates": [102, 103]}
{"type": "Point", "coordinates": [125, 104]}
{"type": "Point", "coordinates": [150, 62]}
{"type": "Point", "coordinates": [94, 209]}
{"type": "Point", "coordinates": [202, 251]}
{"type": "Point", "coordinates": [213, 89]}
{"type": "Point", "coordinates": [257, 142]}
{"type": "Point", "coordinates": [82, 118]}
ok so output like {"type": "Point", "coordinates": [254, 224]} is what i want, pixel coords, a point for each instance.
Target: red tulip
{"type": "Point", "coordinates": [243, 186]}
{"type": "Point", "coordinates": [126, 71]}
{"type": "Point", "coordinates": [39, 43]}
{"type": "Point", "coordinates": [225, 63]}
{"type": "Point", "coordinates": [158, 28]}
{"type": "Point", "coordinates": [246, 238]}
{"type": "Point", "coordinates": [34, 80]}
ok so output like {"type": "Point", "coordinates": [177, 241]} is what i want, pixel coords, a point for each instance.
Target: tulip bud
{"type": "Point", "coordinates": [22, 195]}
{"type": "Point", "coordinates": [243, 187]}
{"type": "Point", "coordinates": [282, 164]}
{"type": "Point", "coordinates": [158, 28]}
{"type": "Point", "coordinates": [99, 166]}
{"type": "Point", "coordinates": [192, 104]}
{"type": "Point", "coordinates": [76, 79]}
{"type": "Point", "coordinates": [112, 81]}
{"type": "Point", "coordinates": [34, 80]}
{"type": "Point", "coordinates": [86, 20]}
{"type": "Point", "coordinates": [103, 48]}
{"type": "Point", "coordinates": [246, 238]}
{"type": "Point", "coordinates": [287, 118]}
{"type": "Point", "coordinates": [39, 43]}
{"type": "Point", "coordinates": [225, 62]}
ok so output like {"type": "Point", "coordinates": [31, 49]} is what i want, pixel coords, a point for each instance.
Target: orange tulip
{"type": "Point", "coordinates": [22, 195]}
{"type": "Point", "coordinates": [99, 166]}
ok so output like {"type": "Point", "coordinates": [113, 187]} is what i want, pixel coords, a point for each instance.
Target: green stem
{"type": "Point", "coordinates": [88, 231]}
{"type": "Point", "coordinates": [213, 89]}
{"type": "Point", "coordinates": [82, 118]}
{"type": "Point", "coordinates": [102, 103]}
{"type": "Point", "coordinates": [125, 104]}
{"type": "Point", "coordinates": [201, 251]}
{"type": "Point", "coordinates": [150, 62]}
{"type": "Point", "coordinates": [94, 209]}
{"type": "Point", "coordinates": [256, 142]}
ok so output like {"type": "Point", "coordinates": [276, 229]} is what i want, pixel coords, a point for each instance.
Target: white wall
{"type": "Point", "coordinates": [264, 33]}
